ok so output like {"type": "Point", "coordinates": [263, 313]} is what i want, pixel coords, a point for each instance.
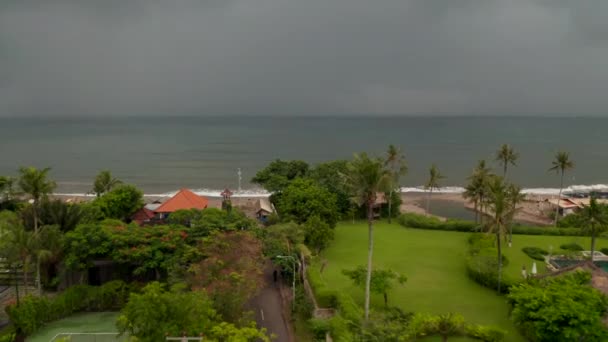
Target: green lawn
{"type": "Point", "coordinates": [86, 322]}
{"type": "Point", "coordinates": [433, 261]}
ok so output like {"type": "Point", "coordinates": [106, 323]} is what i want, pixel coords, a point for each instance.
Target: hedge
{"type": "Point", "coordinates": [535, 253]}
{"type": "Point", "coordinates": [417, 221]}
{"type": "Point", "coordinates": [481, 264]}
{"type": "Point", "coordinates": [571, 247]}
{"type": "Point", "coordinates": [33, 312]}
{"type": "Point", "coordinates": [326, 298]}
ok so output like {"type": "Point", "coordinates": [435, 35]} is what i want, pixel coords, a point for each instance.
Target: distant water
{"type": "Point", "coordinates": [161, 155]}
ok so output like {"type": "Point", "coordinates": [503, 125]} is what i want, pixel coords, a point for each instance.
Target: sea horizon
{"type": "Point", "coordinates": [163, 154]}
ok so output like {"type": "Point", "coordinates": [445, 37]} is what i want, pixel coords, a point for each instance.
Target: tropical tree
{"type": "Point", "coordinates": [506, 155]}
{"type": "Point", "coordinates": [395, 162]}
{"type": "Point", "coordinates": [476, 190]}
{"type": "Point", "coordinates": [36, 184]}
{"type": "Point", "coordinates": [561, 164]}
{"type": "Point", "coordinates": [365, 177]}
{"type": "Point", "coordinates": [594, 221]}
{"type": "Point", "coordinates": [104, 182]}
{"type": "Point", "coordinates": [19, 245]}
{"type": "Point", "coordinates": [382, 280]}
{"type": "Point", "coordinates": [7, 189]}
{"type": "Point", "coordinates": [121, 202]}
{"type": "Point", "coordinates": [47, 243]}
{"type": "Point", "coordinates": [515, 198]}
{"type": "Point", "coordinates": [500, 213]}
{"type": "Point", "coordinates": [433, 183]}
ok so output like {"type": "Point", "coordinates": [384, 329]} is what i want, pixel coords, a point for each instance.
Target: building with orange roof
{"type": "Point", "coordinates": [182, 200]}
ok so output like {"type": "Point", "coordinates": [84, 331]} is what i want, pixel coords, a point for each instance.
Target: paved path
{"type": "Point", "coordinates": [268, 309]}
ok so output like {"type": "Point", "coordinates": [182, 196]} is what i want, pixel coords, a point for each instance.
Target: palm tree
{"type": "Point", "coordinates": [395, 162]}
{"type": "Point", "coordinates": [47, 247]}
{"type": "Point", "coordinates": [595, 220]}
{"type": "Point", "coordinates": [366, 177]}
{"type": "Point", "coordinates": [104, 182]}
{"type": "Point", "coordinates": [20, 245]}
{"type": "Point", "coordinates": [433, 183]}
{"type": "Point", "coordinates": [561, 164]}
{"type": "Point", "coordinates": [477, 188]}
{"type": "Point", "coordinates": [500, 213]}
{"type": "Point", "coordinates": [506, 155]}
{"type": "Point", "coordinates": [515, 198]}
{"type": "Point", "coordinates": [34, 182]}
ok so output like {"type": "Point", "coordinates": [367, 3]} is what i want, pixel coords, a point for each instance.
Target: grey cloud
{"type": "Point", "coordinates": [68, 57]}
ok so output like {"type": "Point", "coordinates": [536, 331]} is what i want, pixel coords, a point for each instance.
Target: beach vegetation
{"type": "Point", "coordinates": [432, 183]}
{"type": "Point", "coordinates": [104, 182]}
{"type": "Point", "coordinates": [564, 308]}
{"type": "Point", "coordinates": [560, 164]}
{"type": "Point", "coordinates": [35, 183]}
{"type": "Point", "coordinates": [279, 174]}
{"type": "Point", "coordinates": [328, 176]}
{"type": "Point", "coordinates": [303, 199]}
{"type": "Point", "coordinates": [477, 188]}
{"type": "Point", "coordinates": [506, 156]}
{"type": "Point", "coordinates": [365, 177]}
{"type": "Point", "coordinates": [396, 164]}
{"type": "Point", "coordinates": [121, 202]}
{"type": "Point", "coordinates": [56, 212]}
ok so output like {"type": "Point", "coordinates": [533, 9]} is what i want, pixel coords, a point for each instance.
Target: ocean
{"type": "Point", "coordinates": [163, 154]}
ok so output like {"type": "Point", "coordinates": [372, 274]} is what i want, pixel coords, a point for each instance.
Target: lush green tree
{"type": "Point", "coordinates": [433, 183]}
{"type": "Point", "coordinates": [229, 332]}
{"type": "Point", "coordinates": [560, 309]}
{"type": "Point", "coordinates": [48, 243]}
{"type": "Point", "coordinates": [328, 176]}
{"type": "Point", "coordinates": [506, 155]}
{"type": "Point", "coordinates": [18, 245]}
{"type": "Point", "coordinates": [54, 212]}
{"type": "Point", "coordinates": [104, 182]}
{"type": "Point", "coordinates": [477, 188]}
{"type": "Point", "coordinates": [395, 162]}
{"type": "Point", "coordinates": [501, 208]}
{"type": "Point", "coordinates": [303, 198]}
{"type": "Point", "coordinates": [318, 234]}
{"type": "Point", "coordinates": [515, 197]}
{"type": "Point", "coordinates": [595, 221]}
{"type": "Point", "coordinates": [85, 244]}
{"type": "Point", "coordinates": [366, 177]}
{"type": "Point", "coordinates": [278, 174]}
{"type": "Point", "coordinates": [561, 164]}
{"type": "Point", "coordinates": [205, 222]}
{"type": "Point", "coordinates": [36, 185]}
{"type": "Point", "coordinates": [282, 238]}
{"type": "Point", "coordinates": [231, 272]}
{"type": "Point", "coordinates": [185, 217]}
{"type": "Point", "coordinates": [7, 193]}
{"type": "Point", "coordinates": [121, 202]}
{"type": "Point", "coordinates": [381, 283]}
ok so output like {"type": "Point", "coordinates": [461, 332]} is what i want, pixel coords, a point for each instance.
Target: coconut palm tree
{"type": "Point", "coordinates": [595, 221]}
{"type": "Point", "coordinates": [561, 164]}
{"type": "Point", "coordinates": [365, 177]}
{"type": "Point", "coordinates": [395, 162]}
{"type": "Point", "coordinates": [500, 213]}
{"type": "Point", "coordinates": [515, 198]}
{"type": "Point", "coordinates": [433, 183]}
{"type": "Point", "coordinates": [506, 155]}
{"type": "Point", "coordinates": [36, 184]}
{"type": "Point", "coordinates": [19, 245]}
{"type": "Point", "coordinates": [104, 182]}
{"type": "Point", "coordinates": [47, 247]}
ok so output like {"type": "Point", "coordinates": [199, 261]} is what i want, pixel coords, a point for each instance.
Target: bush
{"type": "Point", "coordinates": [410, 220]}
{"type": "Point", "coordinates": [571, 247]}
{"type": "Point", "coordinates": [481, 264]}
{"type": "Point", "coordinates": [535, 253]}
{"type": "Point", "coordinates": [483, 333]}
{"type": "Point", "coordinates": [33, 312]}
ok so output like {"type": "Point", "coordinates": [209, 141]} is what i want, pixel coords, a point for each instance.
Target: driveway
{"type": "Point", "coordinates": [268, 309]}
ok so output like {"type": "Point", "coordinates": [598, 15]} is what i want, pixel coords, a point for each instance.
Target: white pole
{"type": "Point", "coordinates": [239, 173]}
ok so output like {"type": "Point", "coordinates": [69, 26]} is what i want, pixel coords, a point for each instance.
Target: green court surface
{"type": "Point", "coordinates": [95, 322]}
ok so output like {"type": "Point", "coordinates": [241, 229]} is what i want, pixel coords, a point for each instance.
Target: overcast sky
{"type": "Point", "coordinates": [294, 57]}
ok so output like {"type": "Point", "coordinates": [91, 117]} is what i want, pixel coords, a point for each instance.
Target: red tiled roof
{"type": "Point", "coordinates": [142, 215]}
{"type": "Point", "coordinates": [184, 199]}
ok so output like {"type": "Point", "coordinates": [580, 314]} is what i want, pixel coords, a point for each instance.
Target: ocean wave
{"type": "Point", "coordinates": [444, 190]}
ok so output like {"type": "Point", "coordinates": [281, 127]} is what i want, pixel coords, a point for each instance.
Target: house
{"type": "Point", "coordinates": [143, 216]}
{"type": "Point", "coordinates": [263, 209]}
{"type": "Point", "coordinates": [567, 206]}
{"type": "Point", "coordinates": [182, 200]}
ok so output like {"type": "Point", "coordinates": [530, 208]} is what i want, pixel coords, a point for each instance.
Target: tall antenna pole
{"type": "Point", "coordinates": [240, 174]}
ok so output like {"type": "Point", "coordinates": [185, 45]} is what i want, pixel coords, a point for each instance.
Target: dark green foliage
{"type": "Point", "coordinates": [396, 204]}
{"type": "Point", "coordinates": [303, 199]}
{"type": "Point", "coordinates": [535, 253]}
{"type": "Point", "coordinates": [481, 264]}
{"type": "Point", "coordinates": [604, 250]}
{"type": "Point", "coordinates": [278, 174]}
{"type": "Point", "coordinates": [411, 220]}
{"type": "Point", "coordinates": [318, 234]}
{"type": "Point", "coordinates": [280, 239]}
{"type": "Point", "coordinates": [560, 309]}
{"type": "Point", "coordinates": [54, 212]}
{"type": "Point", "coordinates": [33, 312]}
{"type": "Point", "coordinates": [329, 176]}
{"type": "Point", "coordinates": [205, 222]}
{"type": "Point", "coordinates": [382, 281]}
{"type": "Point", "coordinates": [572, 220]}
{"type": "Point", "coordinates": [121, 202]}
{"type": "Point", "coordinates": [104, 182]}
{"type": "Point", "coordinates": [575, 247]}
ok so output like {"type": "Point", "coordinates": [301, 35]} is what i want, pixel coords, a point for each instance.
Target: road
{"type": "Point", "coordinates": [268, 309]}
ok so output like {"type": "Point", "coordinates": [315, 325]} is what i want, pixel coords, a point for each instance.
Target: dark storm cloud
{"type": "Point", "coordinates": [68, 57]}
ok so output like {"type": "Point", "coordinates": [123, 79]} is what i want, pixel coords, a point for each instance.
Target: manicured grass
{"type": "Point", "coordinates": [433, 261]}
{"type": "Point", "coordinates": [86, 322]}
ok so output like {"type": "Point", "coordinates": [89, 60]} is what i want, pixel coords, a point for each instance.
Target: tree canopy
{"type": "Point", "coordinates": [121, 202]}
{"type": "Point", "coordinates": [278, 174]}
{"type": "Point", "coordinates": [303, 199]}
{"type": "Point", "coordinates": [382, 281]}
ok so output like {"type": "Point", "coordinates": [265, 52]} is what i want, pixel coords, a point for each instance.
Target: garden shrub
{"type": "Point", "coordinates": [481, 264]}
{"type": "Point", "coordinates": [33, 312]}
{"type": "Point", "coordinates": [484, 333]}
{"type": "Point", "coordinates": [535, 253]}
{"type": "Point", "coordinates": [411, 220]}
{"type": "Point", "coordinates": [575, 247]}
